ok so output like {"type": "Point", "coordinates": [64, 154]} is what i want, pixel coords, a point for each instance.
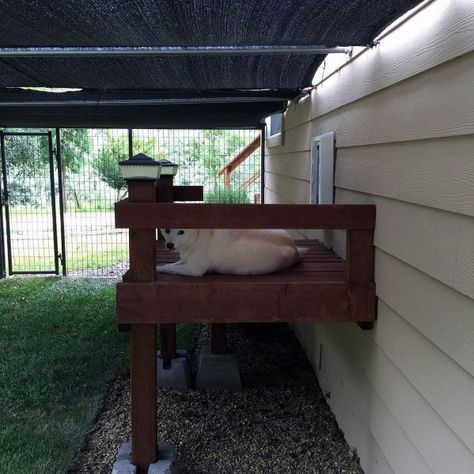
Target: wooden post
{"type": "Point", "coordinates": [164, 193]}
{"type": "Point", "coordinates": [360, 271]}
{"type": "Point", "coordinates": [143, 340]}
{"type": "Point", "coordinates": [227, 178]}
{"type": "Point", "coordinates": [218, 338]}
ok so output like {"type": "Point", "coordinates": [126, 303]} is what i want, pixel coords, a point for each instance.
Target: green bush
{"type": "Point", "coordinates": [223, 195]}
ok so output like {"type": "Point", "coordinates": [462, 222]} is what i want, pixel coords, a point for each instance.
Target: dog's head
{"type": "Point", "coordinates": [179, 240]}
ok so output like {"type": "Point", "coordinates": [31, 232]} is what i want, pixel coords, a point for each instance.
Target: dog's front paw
{"type": "Point", "coordinates": [168, 268]}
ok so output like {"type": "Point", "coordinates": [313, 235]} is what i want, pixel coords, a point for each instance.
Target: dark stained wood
{"type": "Point", "coordinates": [229, 301]}
{"type": "Point", "coordinates": [142, 244]}
{"type": "Point", "coordinates": [188, 193]}
{"type": "Point", "coordinates": [167, 343]}
{"type": "Point", "coordinates": [143, 395]}
{"type": "Point", "coordinates": [164, 193]}
{"type": "Point", "coordinates": [164, 189]}
{"type": "Point", "coordinates": [360, 273]}
{"type": "Point", "coordinates": [218, 338]}
{"type": "Point", "coordinates": [317, 289]}
{"type": "Point", "coordinates": [244, 216]}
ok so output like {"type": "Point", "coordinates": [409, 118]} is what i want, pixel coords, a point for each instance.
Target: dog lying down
{"type": "Point", "coordinates": [233, 251]}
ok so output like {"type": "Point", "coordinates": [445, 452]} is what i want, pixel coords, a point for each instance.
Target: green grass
{"type": "Point", "coordinates": [60, 350]}
{"type": "Point", "coordinates": [86, 256]}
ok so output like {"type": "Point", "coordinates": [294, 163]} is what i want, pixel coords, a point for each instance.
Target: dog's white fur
{"type": "Point", "coordinates": [236, 252]}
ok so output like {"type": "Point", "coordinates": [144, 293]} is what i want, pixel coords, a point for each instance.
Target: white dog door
{"type": "Point", "coordinates": [322, 169]}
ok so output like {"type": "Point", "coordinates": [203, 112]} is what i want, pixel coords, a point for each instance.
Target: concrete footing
{"type": "Point", "coordinates": [176, 376]}
{"type": "Point", "coordinates": [218, 372]}
{"type": "Point", "coordinates": [165, 465]}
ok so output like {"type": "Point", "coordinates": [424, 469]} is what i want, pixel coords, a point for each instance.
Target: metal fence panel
{"type": "Point", "coordinates": [88, 184]}
{"type": "Point", "coordinates": [29, 202]}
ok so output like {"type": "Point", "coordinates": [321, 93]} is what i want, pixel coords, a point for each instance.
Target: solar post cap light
{"type": "Point", "coordinates": [140, 167]}
{"type": "Point", "coordinates": [168, 168]}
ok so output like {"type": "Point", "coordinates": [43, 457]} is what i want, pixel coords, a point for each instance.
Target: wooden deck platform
{"type": "Point", "coordinates": [316, 289]}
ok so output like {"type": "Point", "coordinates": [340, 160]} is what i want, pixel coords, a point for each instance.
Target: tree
{"type": "Point", "coordinates": [75, 146]}
{"type": "Point", "coordinates": [28, 156]}
{"type": "Point", "coordinates": [106, 165]}
{"type": "Point", "coordinates": [214, 150]}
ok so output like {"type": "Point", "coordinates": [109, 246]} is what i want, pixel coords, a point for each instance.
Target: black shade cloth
{"type": "Point", "coordinates": [118, 23]}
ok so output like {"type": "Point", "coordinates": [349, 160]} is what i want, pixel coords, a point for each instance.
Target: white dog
{"type": "Point", "coordinates": [236, 252]}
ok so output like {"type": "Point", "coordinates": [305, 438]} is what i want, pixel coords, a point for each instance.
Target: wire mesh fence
{"type": "Point", "coordinates": [89, 184]}
{"type": "Point", "coordinates": [30, 217]}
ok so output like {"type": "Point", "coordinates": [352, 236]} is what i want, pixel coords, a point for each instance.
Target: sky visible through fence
{"type": "Point", "coordinates": [91, 185]}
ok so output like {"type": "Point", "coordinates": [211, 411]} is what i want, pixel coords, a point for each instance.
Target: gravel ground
{"type": "Point", "coordinates": [279, 423]}
{"type": "Point", "coordinates": [114, 271]}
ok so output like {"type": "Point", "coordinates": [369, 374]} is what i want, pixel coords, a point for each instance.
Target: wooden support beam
{"type": "Point", "coordinates": [250, 180]}
{"type": "Point", "coordinates": [165, 193]}
{"type": "Point", "coordinates": [360, 274]}
{"type": "Point", "coordinates": [244, 216]}
{"type": "Point", "coordinates": [143, 365]}
{"type": "Point", "coordinates": [143, 381]}
{"type": "Point", "coordinates": [227, 179]}
{"type": "Point", "coordinates": [241, 156]}
{"type": "Point", "coordinates": [235, 299]}
{"type": "Point", "coordinates": [188, 193]}
{"type": "Point", "coordinates": [218, 338]}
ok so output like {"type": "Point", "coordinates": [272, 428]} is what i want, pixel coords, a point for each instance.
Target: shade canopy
{"type": "Point", "coordinates": [168, 63]}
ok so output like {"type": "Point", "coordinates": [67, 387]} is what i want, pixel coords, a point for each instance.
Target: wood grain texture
{"type": "Point", "coordinates": [464, 273]}
{"type": "Point", "coordinates": [243, 216]}
{"type": "Point", "coordinates": [435, 104]}
{"type": "Point", "coordinates": [366, 370]}
{"type": "Point", "coordinates": [143, 340]}
{"type": "Point", "coordinates": [440, 380]}
{"type": "Point", "coordinates": [143, 395]}
{"type": "Point", "coordinates": [218, 344]}
{"type": "Point", "coordinates": [296, 190]}
{"type": "Point", "coordinates": [188, 193]}
{"type": "Point", "coordinates": [402, 54]}
{"type": "Point", "coordinates": [440, 313]}
{"type": "Point", "coordinates": [436, 242]}
{"type": "Point", "coordinates": [437, 173]}
{"type": "Point", "coordinates": [232, 302]}
{"type": "Point", "coordinates": [165, 192]}
{"type": "Point", "coordinates": [360, 272]}
{"type": "Point", "coordinates": [347, 356]}
{"type": "Point", "coordinates": [347, 401]}
{"type": "Point", "coordinates": [294, 165]}
{"type": "Point", "coordinates": [315, 289]}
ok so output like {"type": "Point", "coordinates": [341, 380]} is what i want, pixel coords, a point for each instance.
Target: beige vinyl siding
{"type": "Point", "coordinates": [403, 394]}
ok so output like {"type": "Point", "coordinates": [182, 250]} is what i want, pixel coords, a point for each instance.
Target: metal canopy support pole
{"type": "Point", "coordinates": [108, 51]}
{"type": "Point", "coordinates": [59, 162]}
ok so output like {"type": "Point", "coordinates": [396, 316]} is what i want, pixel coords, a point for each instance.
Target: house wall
{"type": "Point", "coordinates": [403, 114]}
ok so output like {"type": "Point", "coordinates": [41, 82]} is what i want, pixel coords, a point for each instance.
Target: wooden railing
{"type": "Point", "coordinates": [237, 161]}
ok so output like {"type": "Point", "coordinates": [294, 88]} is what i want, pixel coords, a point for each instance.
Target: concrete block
{"type": "Point", "coordinates": [125, 452]}
{"type": "Point", "coordinates": [218, 372]}
{"type": "Point", "coordinates": [165, 465]}
{"type": "Point", "coordinates": [124, 467]}
{"type": "Point", "coordinates": [167, 461]}
{"type": "Point", "coordinates": [178, 375]}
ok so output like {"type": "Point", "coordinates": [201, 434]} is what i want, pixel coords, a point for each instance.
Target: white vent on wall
{"type": "Point", "coordinates": [322, 169]}
{"type": "Point", "coordinates": [274, 130]}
